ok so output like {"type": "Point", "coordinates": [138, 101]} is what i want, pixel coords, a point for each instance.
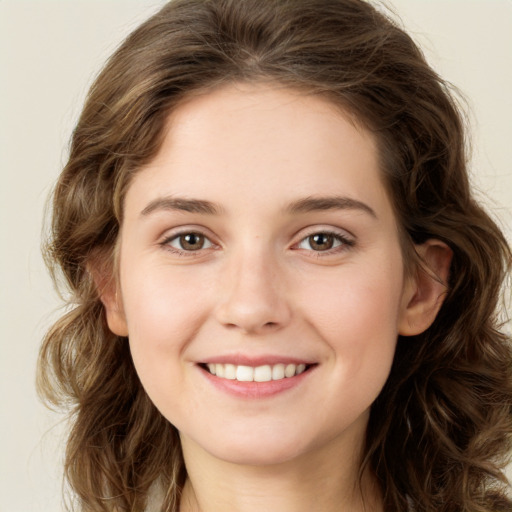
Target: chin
{"type": "Point", "coordinates": [260, 455]}
{"type": "Point", "coordinates": [264, 447]}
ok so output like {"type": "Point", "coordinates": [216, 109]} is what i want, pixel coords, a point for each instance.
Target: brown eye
{"type": "Point", "coordinates": [189, 242]}
{"type": "Point", "coordinates": [192, 241]}
{"type": "Point", "coordinates": [324, 241]}
{"type": "Point", "coordinates": [321, 241]}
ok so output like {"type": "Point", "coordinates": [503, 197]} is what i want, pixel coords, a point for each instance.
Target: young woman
{"type": "Point", "coordinates": [285, 296]}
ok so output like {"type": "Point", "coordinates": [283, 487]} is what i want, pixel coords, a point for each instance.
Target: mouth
{"type": "Point", "coordinates": [263, 373]}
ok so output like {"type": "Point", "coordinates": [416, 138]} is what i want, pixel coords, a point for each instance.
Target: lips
{"type": "Point", "coordinates": [261, 373]}
{"type": "Point", "coordinates": [255, 377]}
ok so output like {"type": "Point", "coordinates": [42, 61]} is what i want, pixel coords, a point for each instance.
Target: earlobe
{"type": "Point", "coordinates": [425, 290]}
{"type": "Point", "coordinates": [114, 311]}
{"type": "Point", "coordinates": [107, 290]}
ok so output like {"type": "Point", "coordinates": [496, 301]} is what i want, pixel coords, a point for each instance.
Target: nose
{"type": "Point", "coordinates": [252, 295]}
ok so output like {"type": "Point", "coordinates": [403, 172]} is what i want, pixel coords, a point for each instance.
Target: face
{"type": "Point", "coordinates": [261, 278]}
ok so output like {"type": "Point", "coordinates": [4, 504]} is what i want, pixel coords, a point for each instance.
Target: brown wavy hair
{"type": "Point", "coordinates": [440, 431]}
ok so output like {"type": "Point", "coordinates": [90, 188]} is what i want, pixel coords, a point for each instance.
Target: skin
{"type": "Point", "coordinates": [259, 288]}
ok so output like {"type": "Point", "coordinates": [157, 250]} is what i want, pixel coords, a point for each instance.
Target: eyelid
{"type": "Point", "coordinates": [209, 243]}
{"type": "Point", "coordinates": [327, 229]}
{"type": "Point", "coordinates": [175, 233]}
{"type": "Point", "coordinates": [345, 237]}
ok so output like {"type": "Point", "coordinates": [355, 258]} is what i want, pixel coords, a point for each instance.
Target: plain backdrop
{"type": "Point", "coordinates": [49, 53]}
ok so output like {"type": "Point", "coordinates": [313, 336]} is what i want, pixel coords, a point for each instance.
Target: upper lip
{"type": "Point", "coordinates": [255, 361]}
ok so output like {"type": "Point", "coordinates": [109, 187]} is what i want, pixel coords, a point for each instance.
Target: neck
{"type": "Point", "coordinates": [326, 480]}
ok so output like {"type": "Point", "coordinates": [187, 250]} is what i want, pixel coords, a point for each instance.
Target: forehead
{"type": "Point", "coordinates": [253, 145]}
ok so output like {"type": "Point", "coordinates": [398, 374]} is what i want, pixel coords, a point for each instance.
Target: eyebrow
{"type": "Point", "coordinates": [305, 205]}
{"type": "Point", "coordinates": [182, 204]}
{"type": "Point", "coordinates": [311, 204]}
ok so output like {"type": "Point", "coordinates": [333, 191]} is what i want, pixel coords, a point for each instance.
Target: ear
{"type": "Point", "coordinates": [426, 288]}
{"type": "Point", "coordinates": [107, 287]}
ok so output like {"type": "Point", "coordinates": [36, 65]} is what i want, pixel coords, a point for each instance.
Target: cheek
{"type": "Point", "coordinates": [158, 300]}
{"type": "Point", "coordinates": [163, 312]}
{"type": "Point", "coordinates": [163, 315]}
{"type": "Point", "coordinates": [356, 313]}
{"type": "Point", "coordinates": [355, 301]}
{"type": "Point", "coordinates": [358, 322]}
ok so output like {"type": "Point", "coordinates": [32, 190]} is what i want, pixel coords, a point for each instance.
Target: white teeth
{"type": "Point", "coordinates": [289, 371]}
{"type": "Point", "coordinates": [278, 372]}
{"type": "Point", "coordinates": [264, 373]}
{"type": "Point", "coordinates": [230, 372]}
{"type": "Point", "coordinates": [244, 373]}
{"type": "Point", "coordinates": [219, 370]}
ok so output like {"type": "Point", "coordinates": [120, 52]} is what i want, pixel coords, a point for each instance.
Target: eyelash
{"type": "Point", "coordinates": [345, 243]}
{"type": "Point", "coordinates": [183, 252]}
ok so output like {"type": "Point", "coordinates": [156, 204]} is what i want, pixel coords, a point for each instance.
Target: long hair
{"type": "Point", "coordinates": [440, 431]}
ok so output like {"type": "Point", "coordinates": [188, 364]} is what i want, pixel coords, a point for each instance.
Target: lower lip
{"type": "Point", "coordinates": [256, 389]}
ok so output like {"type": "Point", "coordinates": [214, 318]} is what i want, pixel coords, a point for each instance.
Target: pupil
{"type": "Point", "coordinates": [321, 241]}
{"type": "Point", "coordinates": [192, 241]}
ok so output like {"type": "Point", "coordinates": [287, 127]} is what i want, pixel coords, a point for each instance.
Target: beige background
{"type": "Point", "coordinates": [49, 53]}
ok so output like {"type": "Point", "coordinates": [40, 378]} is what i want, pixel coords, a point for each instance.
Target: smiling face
{"type": "Point", "coordinates": [261, 277]}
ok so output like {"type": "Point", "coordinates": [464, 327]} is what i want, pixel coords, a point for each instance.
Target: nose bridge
{"type": "Point", "coordinates": [253, 296]}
